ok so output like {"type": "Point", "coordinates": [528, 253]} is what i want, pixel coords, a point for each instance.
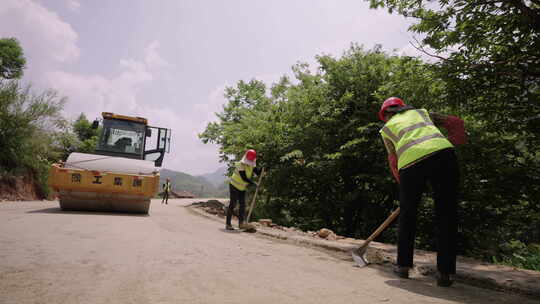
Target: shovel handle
{"type": "Point", "coordinates": [383, 226]}
{"type": "Point", "coordinates": [255, 195]}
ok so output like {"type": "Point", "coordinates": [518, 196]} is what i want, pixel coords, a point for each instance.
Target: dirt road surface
{"type": "Point", "coordinates": [175, 256]}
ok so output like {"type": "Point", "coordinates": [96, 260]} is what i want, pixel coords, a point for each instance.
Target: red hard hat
{"type": "Point", "coordinates": [251, 155]}
{"type": "Point", "coordinates": [392, 101]}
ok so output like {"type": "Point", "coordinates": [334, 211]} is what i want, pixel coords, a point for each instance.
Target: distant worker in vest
{"type": "Point", "coordinates": [166, 190]}
{"type": "Point", "coordinates": [240, 180]}
{"type": "Point", "coordinates": [418, 153]}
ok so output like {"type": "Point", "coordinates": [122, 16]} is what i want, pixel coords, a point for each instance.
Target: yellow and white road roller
{"type": "Point", "coordinates": [122, 175]}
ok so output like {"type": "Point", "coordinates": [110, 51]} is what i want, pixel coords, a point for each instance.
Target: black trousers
{"type": "Point", "coordinates": [441, 170]}
{"type": "Point", "coordinates": [240, 197]}
{"type": "Point", "coordinates": [165, 197]}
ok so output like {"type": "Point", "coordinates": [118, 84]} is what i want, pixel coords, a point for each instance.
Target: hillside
{"type": "Point", "coordinates": [197, 185]}
{"type": "Point", "coordinates": [218, 177]}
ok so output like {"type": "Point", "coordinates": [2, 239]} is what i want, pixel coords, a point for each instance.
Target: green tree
{"type": "Point", "coordinates": [488, 51]}
{"type": "Point", "coordinates": [12, 61]}
{"type": "Point", "coordinates": [86, 134]}
{"type": "Point", "coordinates": [77, 136]}
{"type": "Point", "coordinates": [27, 124]}
{"type": "Point", "coordinates": [320, 138]}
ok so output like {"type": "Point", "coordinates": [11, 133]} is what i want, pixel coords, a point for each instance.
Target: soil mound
{"type": "Point", "coordinates": [19, 188]}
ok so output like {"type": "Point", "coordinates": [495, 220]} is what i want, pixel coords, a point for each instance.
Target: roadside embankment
{"type": "Point", "coordinates": [18, 188]}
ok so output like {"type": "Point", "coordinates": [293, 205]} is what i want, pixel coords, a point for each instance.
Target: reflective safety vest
{"type": "Point", "coordinates": [167, 187]}
{"type": "Point", "coordinates": [236, 179]}
{"type": "Point", "coordinates": [414, 136]}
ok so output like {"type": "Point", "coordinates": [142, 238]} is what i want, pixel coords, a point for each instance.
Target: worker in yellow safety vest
{"type": "Point", "coordinates": [166, 190]}
{"type": "Point", "coordinates": [417, 153]}
{"type": "Point", "coordinates": [239, 181]}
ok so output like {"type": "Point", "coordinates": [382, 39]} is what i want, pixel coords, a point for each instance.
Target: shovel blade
{"type": "Point", "coordinates": [359, 260]}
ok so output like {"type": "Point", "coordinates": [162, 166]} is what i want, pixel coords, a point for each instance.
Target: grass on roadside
{"type": "Point", "coordinates": [522, 256]}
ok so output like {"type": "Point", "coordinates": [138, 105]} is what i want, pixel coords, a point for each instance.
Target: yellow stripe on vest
{"type": "Point", "coordinates": [415, 142]}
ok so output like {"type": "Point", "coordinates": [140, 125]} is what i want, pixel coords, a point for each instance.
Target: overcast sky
{"type": "Point", "coordinates": [170, 60]}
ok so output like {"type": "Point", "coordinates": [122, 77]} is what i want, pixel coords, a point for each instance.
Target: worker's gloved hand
{"type": "Point", "coordinates": [392, 160]}
{"type": "Point", "coordinates": [456, 130]}
{"type": "Point", "coordinates": [257, 171]}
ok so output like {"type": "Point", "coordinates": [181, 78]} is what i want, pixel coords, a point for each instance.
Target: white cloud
{"type": "Point", "coordinates": [74, 5]}
{"type": "Point", "coordinates": [206, 111]}
{"type": "Point", "coordinates": [93, 94]}
{"type": "Point", "coordinates": [51, 40]}
{"type": "Point", "coordinates": [188, 153]}
{"type": "Point", "coordinates": [152, 58]}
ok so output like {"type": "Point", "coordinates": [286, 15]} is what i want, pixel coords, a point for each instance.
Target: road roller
{"type": "Point", "coordinates": [122, 175]}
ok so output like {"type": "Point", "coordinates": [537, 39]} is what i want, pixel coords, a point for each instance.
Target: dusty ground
{"type": "Point", "coordinates": [174, 256]}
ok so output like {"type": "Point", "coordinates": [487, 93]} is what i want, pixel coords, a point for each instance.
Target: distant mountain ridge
{"type": "Point", "coordinates": [217, 177]}
{"type": "Point", "coordinates": [200, 186]}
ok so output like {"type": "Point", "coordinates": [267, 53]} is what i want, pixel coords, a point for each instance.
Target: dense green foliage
{"type": "Point", "coordinates": [28, 120]}
{"type": "Point", "coordinates": [86, 134]}
{"type": "Point", "coordinates": [517, 254]}
{"type": "Point", "coordinates": [26, 123]}
{"type": "Point", "coordinates": [12, 61]}
{"type": "Point", "coordinates": [77, 136]}
{"type": "Point", "coordinates": [319, 136]}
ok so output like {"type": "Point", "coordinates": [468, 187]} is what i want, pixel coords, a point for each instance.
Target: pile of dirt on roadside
{"type": "Point", "coordinates": [19, 188]}
{"type": "Point", "coordinates": [219, 208]}
{"type": "Point", "coordinates": [213, 207]}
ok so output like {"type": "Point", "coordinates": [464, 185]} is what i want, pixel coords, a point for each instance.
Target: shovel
{"type": "Point", "coordinates": [255, 196]}
{"type": "Point", "coordinates": [359, 253]}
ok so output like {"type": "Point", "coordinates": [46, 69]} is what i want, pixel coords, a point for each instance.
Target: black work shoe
{"type": "Point", "coordinates": [402, 271]}
{"type": "Point", "coordinates": [443, 280]}
{"type": "Point", "coordinates": [229, 227]}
